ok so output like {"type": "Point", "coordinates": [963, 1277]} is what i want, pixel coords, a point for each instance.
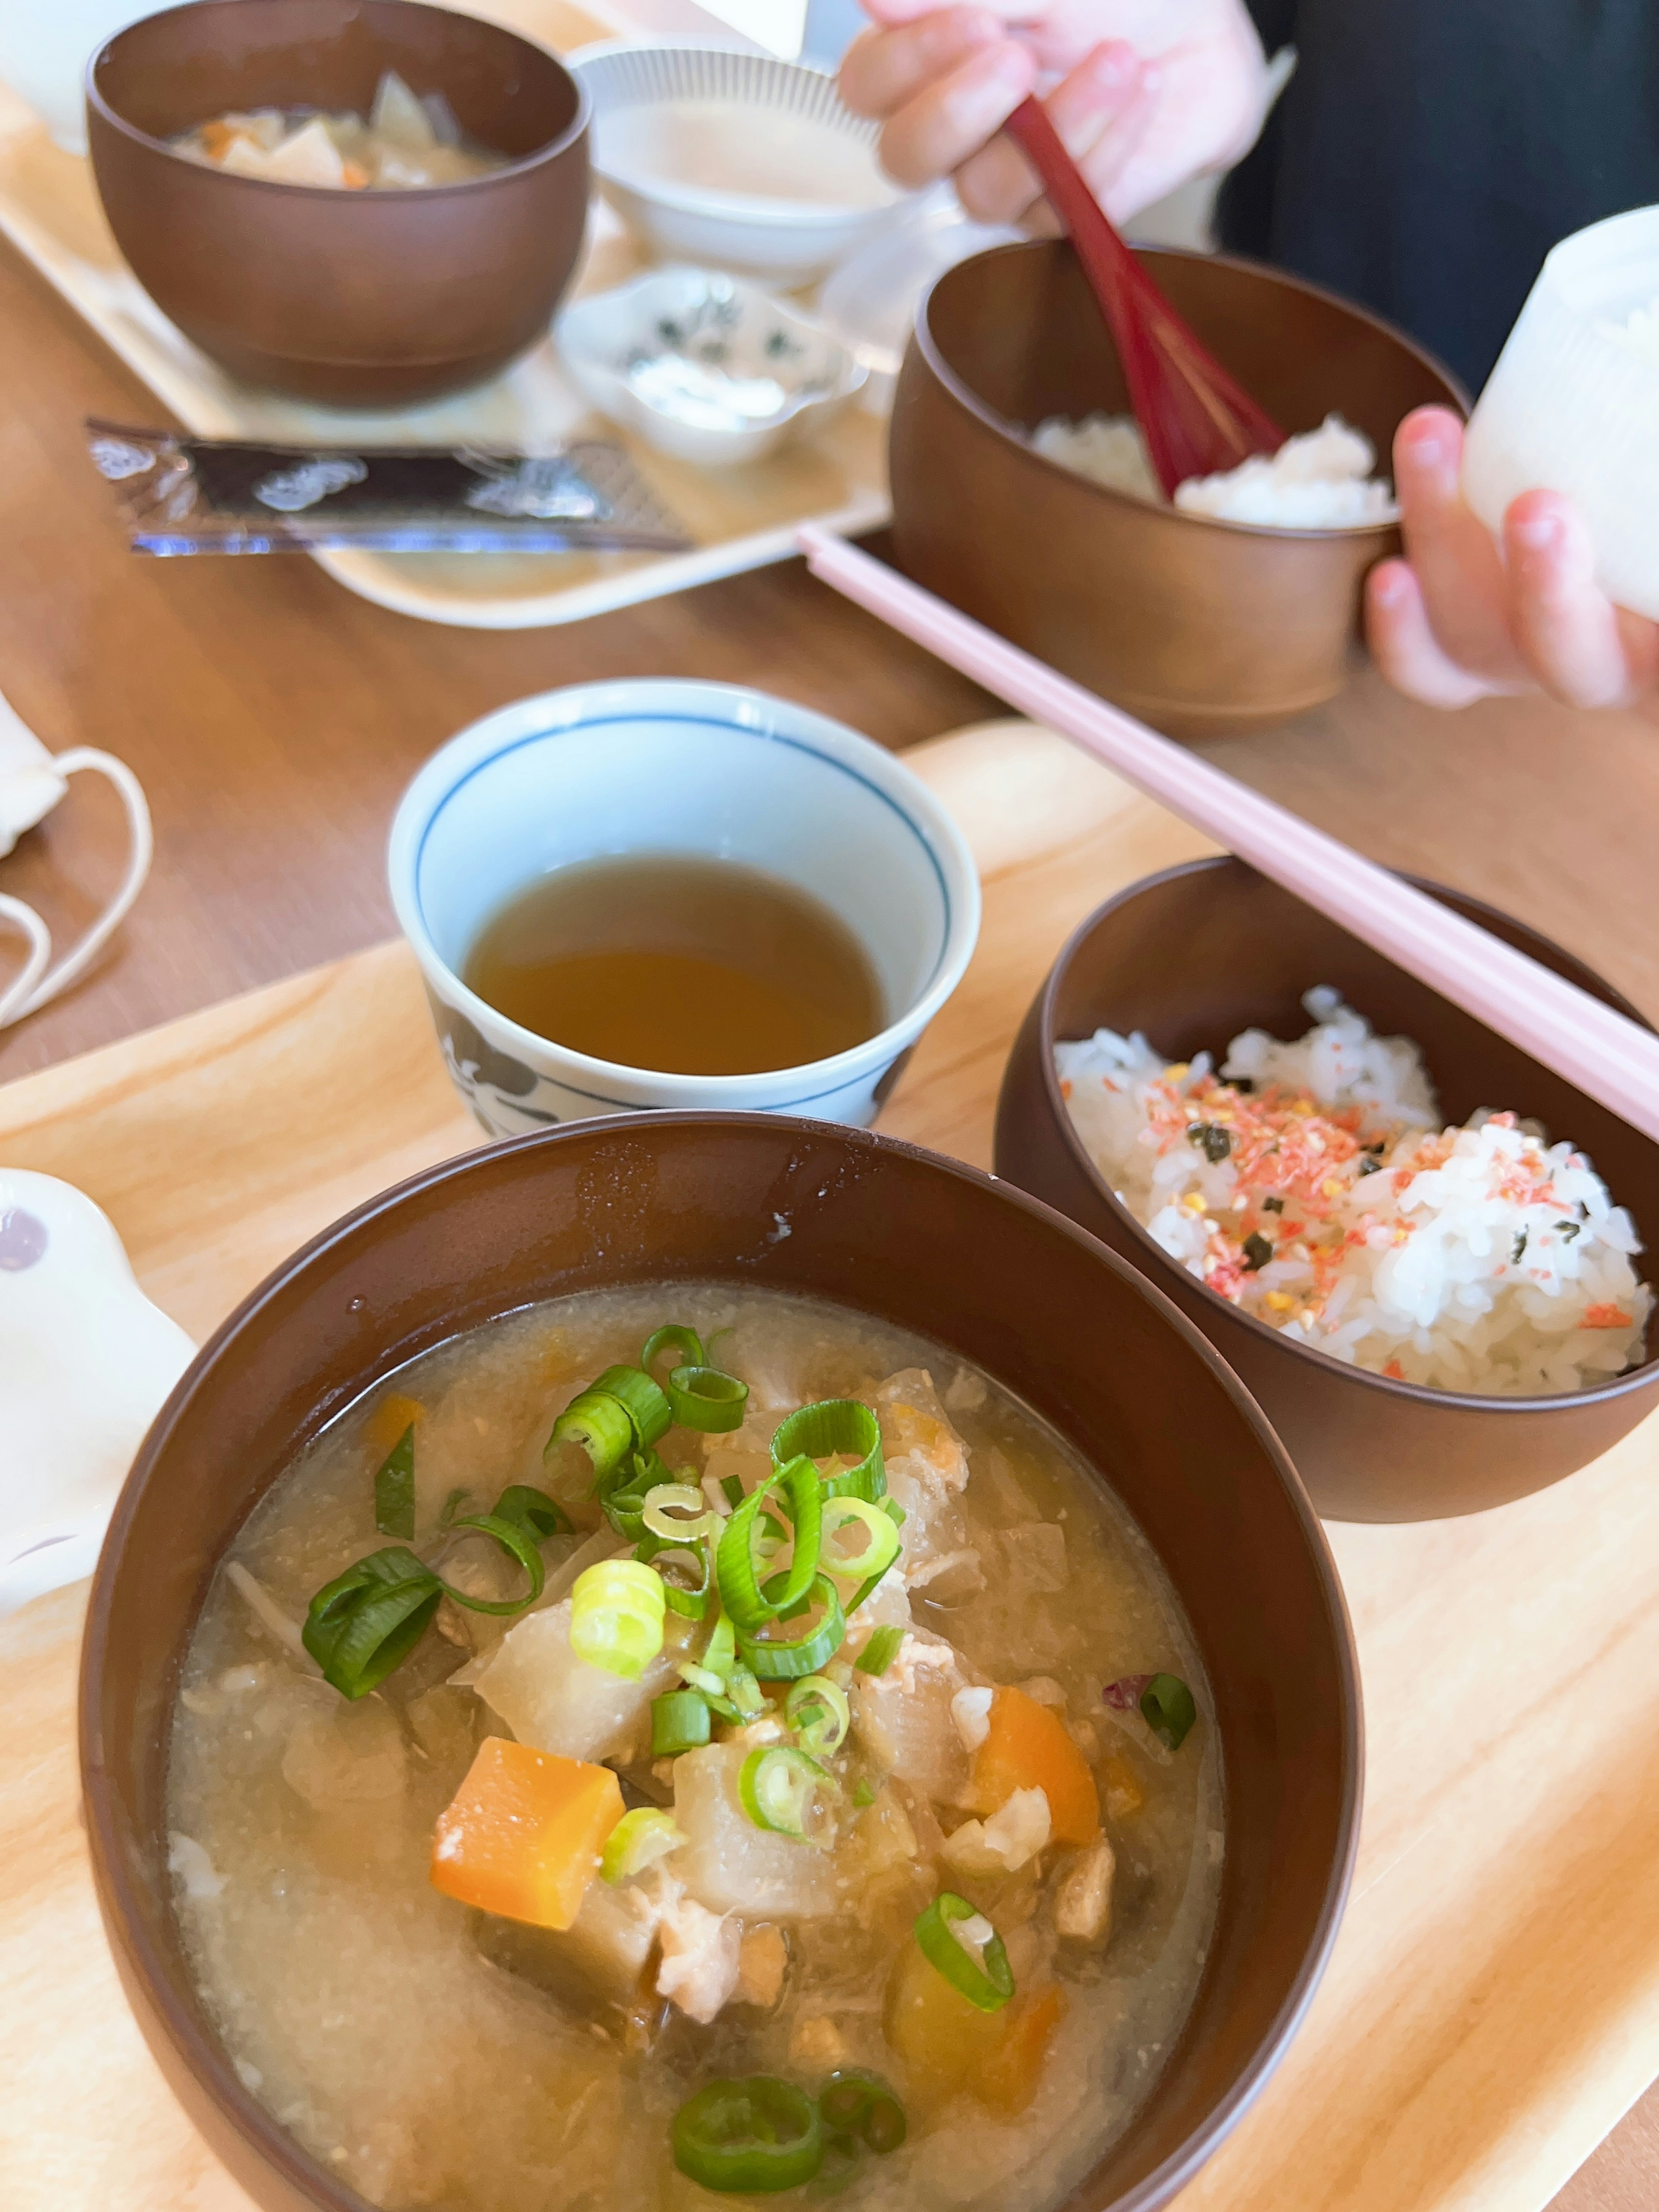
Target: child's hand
{"type": "Point", "coordinates": [1150, 92]}
{"type": "Point", "coordinates": [1458, 620]}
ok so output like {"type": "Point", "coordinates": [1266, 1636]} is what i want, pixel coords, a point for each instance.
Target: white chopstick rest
{"type": "Point", "coordinates": [1573, 403]}
{"type": "Point", "coordinates": [1610, 1058]}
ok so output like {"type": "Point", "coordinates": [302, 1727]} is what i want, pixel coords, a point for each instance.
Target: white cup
{"type": "Point", "coordinates": [661, 766]}
{"type": "Point", "coordinates": [44, 48]}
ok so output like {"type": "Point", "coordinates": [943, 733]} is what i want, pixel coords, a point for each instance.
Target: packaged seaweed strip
{"type": "Point", "coordinates": [1573, 403]}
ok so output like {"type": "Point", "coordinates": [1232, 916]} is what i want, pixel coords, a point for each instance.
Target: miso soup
{"type": "Point", "coordinates": [757, 1757]}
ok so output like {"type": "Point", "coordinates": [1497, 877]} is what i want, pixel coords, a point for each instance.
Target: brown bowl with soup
{"type": "Point", "coordinates": [357, 292]}
{"type": "Point", "coordinates": [701, 1655]}
{"type": "Point", "coordinates": [1200, 627]}
{"type": "Point", "coordinates": [1438, 1316]}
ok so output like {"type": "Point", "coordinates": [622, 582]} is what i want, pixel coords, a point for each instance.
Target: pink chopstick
{"type": "Point", "coordinates": [1603, 1053]}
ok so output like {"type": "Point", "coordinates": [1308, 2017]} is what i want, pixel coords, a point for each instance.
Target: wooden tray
{"type": "Point", "coordinates": [737, 518]}
{"type": "Point", "coordinates": [1493, 2006]}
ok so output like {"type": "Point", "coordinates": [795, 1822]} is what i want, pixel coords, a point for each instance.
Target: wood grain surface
{"type": "Point", "coordinates": [1493, 2001]}
{"type": "Point", "coordinates": [274, 720]}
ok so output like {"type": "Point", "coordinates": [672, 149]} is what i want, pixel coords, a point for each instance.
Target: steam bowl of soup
{"type": "Point", "coordinates": [705, 1655]}
{"type": "Point", "coordinates": [360, 202]}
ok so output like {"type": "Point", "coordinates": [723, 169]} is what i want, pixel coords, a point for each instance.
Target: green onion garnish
{"type": "Point", "coordinates": [864, 1794]}
{"type": "Point", "coordinates": [688, 1575]}
{"type": "Point", "coordinates": [366, 1621]}
{"type": "Point", "coordinates": [706, 1399]}
{"type": "Point", "coordinates": [644, 1402]}
{"type": "Point", "coordinates": [679, 1514]}
{"type": "Point", "coordinates": [617, 1611]}
{"type": "Point", "coordinates": [673, 1336]}
{"type": "Point", "coordinates": [513, 1536]}
{"type": "Point", "coordinates": [528, 1509]}
{"type": "Point", "coordinates": [747, 1699]}
{"type": "Point", "coordinates": [987, 1982]}
{"type": "Point", "coordinates": [740, 1591]}
{"type": "Point", "coordinates": [720, 1652]}
{"type": "Point", "coordinates": [394, 1489]}
{"type": "Point", "coordinates": [871, 1559]}
{"type": "Point", "coordinates": [836, 1428]}
{"type": "Point", "coordinates": [751, 2136]}
{"type": "Point", "coordinates": [858, 2103]}
{"type": "Point", "coordinates": [879, 1653]}
{"type": "Point", "coordinates": [818, 1711]}
{"type": "Point", "coordinates": [777, 1787]}
{"type": "Point", "coordinates": [1167, 1707]}
{"type": "Point", "coordinates": [679, 1721]}
{"type": "Point", "coordinates": [637, 1841]}
{"type": "Point", "coordinates": [780, 1659]}
{"type": "Point", "coordinates": [732, 1490]}
{"type": "Point", "coordinates": [600, 1424]}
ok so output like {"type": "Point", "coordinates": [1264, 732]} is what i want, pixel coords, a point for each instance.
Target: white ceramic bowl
{"type": "Point", "coordinates": [662, 766]}
{"type": "Point", "coordinates": [734, 160]}
{"type": "Point", "coordinates": [703, 365]}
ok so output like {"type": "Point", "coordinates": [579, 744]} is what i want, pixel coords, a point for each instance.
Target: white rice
{"type": "Point", "coordinates": [1322, 480]}
{"type": "Point", "coordinates": [1311, 1184]}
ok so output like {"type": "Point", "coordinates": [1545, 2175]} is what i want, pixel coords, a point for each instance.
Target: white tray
{"type": "Point", "coordinates": [738, 518]}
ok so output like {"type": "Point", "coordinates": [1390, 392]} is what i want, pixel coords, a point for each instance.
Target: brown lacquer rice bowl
{"type": "Point", "coordinates": [998, 1279]}
{"type": "Point", "coordinates": [1194, 956]}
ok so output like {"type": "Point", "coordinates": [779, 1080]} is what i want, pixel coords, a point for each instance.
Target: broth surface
{"type": "Point", "coordinates": [673, 962]}
{"type": "Point", "coordinates": [432, 2056]}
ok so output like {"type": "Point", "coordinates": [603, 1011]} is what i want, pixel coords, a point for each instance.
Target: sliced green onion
{"type": "Point", "coordinates": [855, 2103]}
{"type": "Point", "coordinates": [1167, 1707]}
{"type": "Point", "coordinates": [879, 1653]}
{"type": "Point", "coordinates": [732, 1490]}
{"type": "Point", "coordinates": [740, 1590]}
{"type": "Point", "coordinates": [453, 1504]}
{"type": "Point", "coordinates": [707, 1398]}
{"type": "Point", "coordinates": [772, 1535]}
{"type": "Point", "coordinates": [777, 1787]}
{"type": "Point", "coordinates": [818, 1712]}
{"type": "Point", "coordinates": [646, 1403]}
{"type": "Point", "coordinates": [864, 1794]}
{"type": "Point", "coordinates": [688, 1576]}
{"type": "Point", "coordinates": [782, 1659]}
{"type": "Point", "coordinates": [394, 1489]}
{"type": "Point", "coordinates": [638, 1839]}
{"type": "Point", "coordinates": [987, 1982]}
{"type": "Point", "coordinates": [530, 1509]}
{"type": "Point", "coordinates": [720, 1653]}
{"type": "Point", "coordinates": [836, 1428]}
{"type": "Point", "coordinates": [702, 1678]}
{"type": "Point", "coordinates": [679, 1513]}
{"type": "Point", "coordinates": [512, 1537]}
{"type": "Point", "coordinates": [601, 1424]}
{"type": "Point", "coordinates": [673, 1336]}
{"type": "Point", "coordinates": [747, 1699]}
{"type": "Point", "coordinates": [679, 1721]}
{"type": "Point", "coordinates": [880, 1548]}
{"type": "Point", "coordinates": [367, 1620]}
{"type": "Point", "coordinates": [616, 1611]}
{"type": "Point", "coordinates": [751, 2136]}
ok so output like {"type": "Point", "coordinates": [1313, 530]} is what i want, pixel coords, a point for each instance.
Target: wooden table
{"type": "Point", "coordinates": [273, 720]}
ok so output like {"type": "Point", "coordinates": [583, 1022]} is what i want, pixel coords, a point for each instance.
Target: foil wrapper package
{"type": "Point", "coordinates": [180, 494]}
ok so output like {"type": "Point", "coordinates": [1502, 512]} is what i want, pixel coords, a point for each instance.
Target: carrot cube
{"type": "Point", "coordinates": [521, 1837]}
{"type": "Point", "coordinates": [386, 1424]}
{"type": "Point", "coordinates": [1027, 1748]}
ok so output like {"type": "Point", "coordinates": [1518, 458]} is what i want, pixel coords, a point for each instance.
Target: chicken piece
{"type": "Point", "coordinates": [726, 1863]}
{"type": "Point", "coordinates": [902, 1718]}
{"type": "Point", "coordinates": [1082, 1903]}
{"type": "Point", "coordinates": [701, 1953]}
{"type": "Point", "coordinates": [555, 1701]}
{"type": "Point", "coordinates": [1012, 1836]}
{"type": "Point", "coordinates": [763, 1962]}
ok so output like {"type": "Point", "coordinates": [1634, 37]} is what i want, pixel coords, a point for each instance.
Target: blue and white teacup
{"type": "Point", "coordinates": [662, 766]}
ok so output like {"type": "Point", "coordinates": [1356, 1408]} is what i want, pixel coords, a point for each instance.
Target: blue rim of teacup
{"type": "Point", "coordinates": [750, 713]}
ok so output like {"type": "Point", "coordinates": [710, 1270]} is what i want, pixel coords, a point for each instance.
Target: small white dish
{"type": "Point", "coordinates": [731, 158]}
{"type": "Point", "coordinates": [703, 365]}
{"type": "Point", "coordinates": [655, 765]}
{"type": "Point", "coordinates": [86, 1364]}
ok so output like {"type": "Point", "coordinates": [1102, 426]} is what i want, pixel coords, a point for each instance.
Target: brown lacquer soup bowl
{"type": "Point", "coordinates": [1001, 1280]}
{"type": "Point", "coordinates": [1191, 958]}
{"type": "Point", "coordinates": [1200, 627]}
{"type": "Point", "coordinates": [352, 299]}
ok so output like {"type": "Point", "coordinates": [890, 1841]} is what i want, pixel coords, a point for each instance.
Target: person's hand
{"type": "Point", "coordinates": [1150, 92]}
{"type": "Point", "coordinates": [1458, 619]}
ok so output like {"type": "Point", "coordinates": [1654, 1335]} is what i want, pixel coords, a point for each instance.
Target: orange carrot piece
{"type": "Point", "coordinates": [1010, 2075]}
{"type": "Point", "coordinates": [390, 1419]}
{"type": "Point", "coordinates": [521, 1837]}
{"type": "Point", "coordinates": [1028, 1748]}
{"type": "Point", "coordinates": [947, 2044]}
